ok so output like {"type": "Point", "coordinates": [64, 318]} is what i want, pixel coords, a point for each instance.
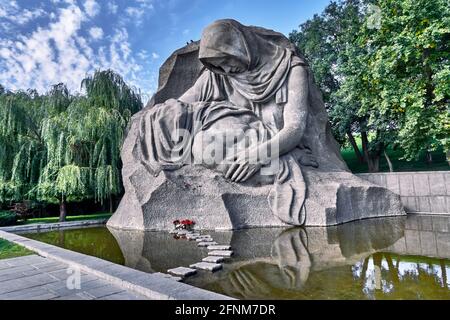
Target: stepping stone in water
{"type": "Point", "coordinates": [182, 271]}
{"type": "Point", "coordinates": [192, 236]}
{"type": "Point", "coordinates": [206, 244]}
{"type": "Point", "coordinates": [221, 253]}
{"type": "Point", "coordinates": [173, 231]}
{"type": "Point", "coordinates": [205, 236]}
{"type": "Point", "coordinates": [204, 240]}
{"type": "Point", "coordinates": [207, 266]}
{"type": "Point", "coordinates": [218, 247]}
{"type": "Point", "coordinates": [213, 259]}
{"type": "Point", "coordinates": [182, 232]}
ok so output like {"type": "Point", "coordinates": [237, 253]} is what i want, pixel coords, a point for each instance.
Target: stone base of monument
{"type": "Point", "coordinates": [152, 203]}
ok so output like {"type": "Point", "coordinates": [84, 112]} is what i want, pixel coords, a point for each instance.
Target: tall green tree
{"type": "Point", "coordinates": [84, 140]}
{"type": "Point", "coordinates": [409, 71]}
{"type": "Point", "coordinates": [59, 147]}
{"type": "Point", "coordinates": [384, 69]}
{"type": "Point", "coordinates": [21, 147]}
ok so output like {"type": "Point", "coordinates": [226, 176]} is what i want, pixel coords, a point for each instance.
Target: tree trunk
{"type": "Point", "coordinates": [391, 167]}
{"type": "Point", "coordinates": [372, 159]}
{"type": "Point", "coordinates": [365, 145]}
{"type": "Point", "coordinates": [358, 153]}
{"type": "Point", "coordinates": [111, 204]}
{"type": "Point", "coordinates": [374, 163]}
{"type": "Point", "coordinates": [392, 270]}
{"type": "Point", "coordinates": [429, 158]}
{"type": "Point", "coordinates": [62, 210]}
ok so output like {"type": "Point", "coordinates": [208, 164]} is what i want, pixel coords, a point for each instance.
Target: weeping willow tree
{"type": "Point", "coordinates": [22, 152]}
{"type": "Point", "coordinates": [110, 103]}
{"type": "Point", "coordinates": [60, 148]}
{"type": "Point", "coordinates": [83, 141]}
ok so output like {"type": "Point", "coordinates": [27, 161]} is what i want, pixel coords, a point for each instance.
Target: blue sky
{"type": "Point", "coordinates": [47, 42]}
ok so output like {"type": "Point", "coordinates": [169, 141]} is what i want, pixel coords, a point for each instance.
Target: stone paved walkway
{"type": "Point", "coordinates": [151, 285]}
{"type": "Point", "coordinates": [36, 278]}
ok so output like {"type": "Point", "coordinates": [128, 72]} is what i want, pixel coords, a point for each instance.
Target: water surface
{"type": "Point", "coordinates": [388, 258]}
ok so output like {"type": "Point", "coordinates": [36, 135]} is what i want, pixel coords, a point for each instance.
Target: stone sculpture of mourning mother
{"type": "Point", "coordinates": [247, 145]}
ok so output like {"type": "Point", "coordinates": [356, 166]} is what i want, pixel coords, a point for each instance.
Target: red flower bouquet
{"type": "Point", "coordinates": [183, 224]}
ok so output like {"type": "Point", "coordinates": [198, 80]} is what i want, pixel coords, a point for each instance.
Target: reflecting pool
{"type": "Point", "coordinates": [388, 258]}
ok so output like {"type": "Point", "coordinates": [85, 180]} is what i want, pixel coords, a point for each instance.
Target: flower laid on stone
{"type": "Point", "coordinates": [183, 224]}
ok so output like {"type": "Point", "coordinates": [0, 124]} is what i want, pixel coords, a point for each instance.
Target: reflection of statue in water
{"type": "Point", "coordinates": [290, 250]}
{"type": "Point", "coordinates": [255, 122]}
{"type": "Point", "coordinates": [299, 253]}
{"type": "Point", "coordinates": [287, 269]}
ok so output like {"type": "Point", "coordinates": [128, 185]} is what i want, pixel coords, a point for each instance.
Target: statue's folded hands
{"type": "Point", "coordinates": [242, 168]}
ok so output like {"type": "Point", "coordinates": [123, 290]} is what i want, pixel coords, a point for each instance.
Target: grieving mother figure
{"type": "Point", "coordinates": [253, 84]}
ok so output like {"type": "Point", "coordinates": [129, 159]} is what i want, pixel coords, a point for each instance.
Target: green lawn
{"type": "Point", "coordinates": [70, 218]}
{"type": "Point", "coordinates": [439, 162]}
{"type": "Point", "coordinates": [10, 250]}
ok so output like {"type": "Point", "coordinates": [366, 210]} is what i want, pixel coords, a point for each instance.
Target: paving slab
{"type": "Point", "coordinates": [182, 271]}
{"type": "Point", "coordinates": [207, 266]}
{"type": "Point", "coordinates": [222, 253]}
{"type": "Point", "coordinates": [26, 282]}
{"type": "Point", "coordinates": [213, 259]}
{"type": "Point", "coordinates": [26, 294]}
{"type": "Point", "coordinates": [61, 289]}
{"type": "Point", "coordinates": [76, 296]}
{"type": "Point", "coordinates": [46, 279]}
{"type": "Point", "coordinates": [103, 291]}
{"type": "Point", "coordinates": [121, 296]}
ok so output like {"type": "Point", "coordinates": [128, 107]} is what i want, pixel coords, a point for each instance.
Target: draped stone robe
{"type": "Point", "coordinates": [259, 93]}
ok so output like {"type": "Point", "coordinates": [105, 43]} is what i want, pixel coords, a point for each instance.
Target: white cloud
{"type": "Point", "coordinates": [139, 11]}
{"type": "Point", "coordinates": [58, 53]}
{"type": "Point", "coordinates": [155, 55]}
{"type": "Point", "coordinates": [143, 55]}
{"type": "Point", "coordinates": [28, 15]}
{"type": "Point", "coordinates": [96, 33]}
{"type": "Point", "coordinates": [112, 7]}
{"type": "Point", "coordinates": [91, 7]}
{"type": "Point", "coordinates": [145, 4]}
{"type": "Point", "coordinates": [11, 11]}
{"type": "Point", "coordinates": [14, 4]}
{"type": "Point", "coordinates": [135, 12]}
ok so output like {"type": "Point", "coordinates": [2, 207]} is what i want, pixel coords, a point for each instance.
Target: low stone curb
{"type": "Point", "coordinates": [153, 286]}
{"type": "Point", "coordinates": [54, 226]}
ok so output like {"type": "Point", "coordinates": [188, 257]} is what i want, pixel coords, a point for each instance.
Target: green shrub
{"type": "Point", "coordinates": [7, 218]}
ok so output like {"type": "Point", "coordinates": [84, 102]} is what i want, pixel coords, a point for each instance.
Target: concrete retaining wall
{"type": "Point", "coordinates": [53, 226]}
{"type": "Point", "coordinates": [425, 192]}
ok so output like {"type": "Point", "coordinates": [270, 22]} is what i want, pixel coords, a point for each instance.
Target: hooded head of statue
{"type": "Point", "coordinates": [257, 61]}
{"type": "Point", "coordinates": [223, 48]}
